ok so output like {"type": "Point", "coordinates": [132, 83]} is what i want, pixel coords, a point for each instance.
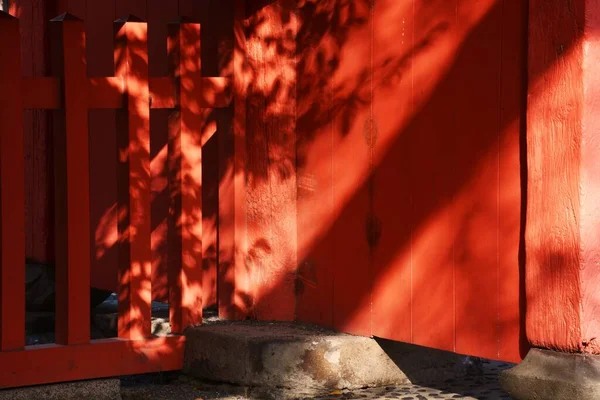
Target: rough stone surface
{"type": "Point", "coordinates": [287, 356]}
{"type": "Point", "coordinates": [546, 374]}
{"type": "Point", "coordinates": [100, 389]}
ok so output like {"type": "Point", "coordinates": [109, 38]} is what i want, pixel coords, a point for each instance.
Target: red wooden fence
{"type": "Point", "coordinates": [72, 93]}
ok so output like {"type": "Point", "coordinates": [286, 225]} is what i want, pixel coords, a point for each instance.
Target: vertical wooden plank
{"type": "Point", "coordinates": [130, 8]}
{"type": "Point", "coordinates": [315, 260]}
{"type": "Point", "coordinates": [393, 181]}
{"type": "Point", "coordinates": [226, 216]}
{"type": "Point", "coordinates": [33, 17]}
{"type": "Point", "coordinates": [101, 15]}
{"type": "Point", "coordinates": [271, 198]}
{"type": "Point", "coordinates": [185, 155]}
{"type": "Point", "coordinates": [240, 303]}
{"type": "Point", "coordinates": [19, 10]}
{"type": "Point", "coordinates": [475, 206]}
{"type": "Point", "coordinates": [207, 13]}
{"type": "Point", "coordinates": [160, 13]}
{"type": "Point", "coordinates": [512, 173]}
{"type": "Point", "coordinates": [99, 24]}
{"type": "Point", "coordinates": [12, 190]}
{"type": "Point", "coordinates": [556, 103]}
{"type": "Point", "coordinates": [433, 156]}
{"type": "Point", "coordinates": [77, 8]}
{"type": "Point", "coordinates": [174, 226]}
{"type": "Point", "coordinates": [218, 195]}
{"type": "Point", "coordinates": [211, 37]}
{"type": "Point", "coordinates": [61, 6]}
{"type": "Point", "coordinates": [355, 229]}
{"type": "Point", "coordinates": [186, 8]}
{"type": "Point", "coordinates": [131, 59]}
{"type": "Point", "coordinates": [352, 281]}
{"type": "Point", "coordinates": [41, 177]}
{"type": "Point", "coordinates": [226, 176]}
{"type": "Point", "coordinates": [72, 202]}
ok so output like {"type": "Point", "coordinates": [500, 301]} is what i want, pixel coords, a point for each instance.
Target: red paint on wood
{"type": "Point", "coordinates": [137, 8]}
{"type": "Point", "coordinates": [226, 174]}
{"type": "Point", "coordinates": [554, 112]}
{"type": "Point", "coordinates": [434, 235]}
{"type": "Point", "coordinates": [393, 203]}
{"type": "Point", "coordinates": [415, 190]}
{"type": "Point", "coordinates": [185, 163]}
{"type": "Point", "coordinates": [160, 13]}
{"type": "Point", "coordinates": [12, 190]}
{"type": "Point", "coordinates": [72, 190]}
{"type": "Point", "coordinates": [131, 58]}
{"type": "Point", "coordinates": [234, 278]}
{"type": "Point", "coordinates": [270, 146]}
{"type": "Point", "coordinates": [315, 268]}
{"type": "Point", "coordinates": [562, 236]}
{"type": "Point", "coordinates": [164, 93]}
{"type": "Point", "coordinates": [439, 169]}
{"type": "Point", "coordinates": [210, 14]}
{"type": "Point", "coordinates": [99, 24]}
{"type": "Point", "coordinates": [101, 358]}
{"type": "Point", "coordinates": [34, 16]}
{"type": "Point", "coordinates": [475, 207]}
{"type": "Point", "coordinates": [76, 8]}
{"type": "Point", "coordinates": [511, 311]}
{"type": "Point", "coordinates": [352, 268]}
{"type": "Point", "coordinates": [41, 93]}
{"type": "Point", "coordinates": [226, 214]}
{"type": "Point", "coordinates": [590, 176]}
{"type": "Point", "coordinates": [105, 92]}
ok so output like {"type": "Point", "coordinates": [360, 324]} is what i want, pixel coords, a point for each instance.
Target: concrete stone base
{"type": "Point", "coordinates": [278, 357]}
{"type": "Point", "coordinates": [100, 389]}
{"type": "Point", "coordinates": [546, 374]}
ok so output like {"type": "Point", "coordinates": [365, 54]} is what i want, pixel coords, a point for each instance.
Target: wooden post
{"type": "Point", "coordinates": [72, 186]}
{"type": "Point", "coordinates": [234, 279]}
{"type": "Point", "coordinates": [185, 175]}
{"type": "Point", "coordinates": [131, 59]}
{"type": "Point", "coordinates": [562, 270]}
{"type": "Point", "coordinates": [557, 255]}
{"type": "Point", "coordinates": [12, 189]}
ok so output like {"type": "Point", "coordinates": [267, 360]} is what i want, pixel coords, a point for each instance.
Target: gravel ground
{"type": "Point", "coordinates": [178, 387]}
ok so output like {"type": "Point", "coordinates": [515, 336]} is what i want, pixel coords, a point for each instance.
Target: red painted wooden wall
{"type": "Point", "coordinates": [410, 117]}
{"type": "Point", "coordinates": [383, 162]}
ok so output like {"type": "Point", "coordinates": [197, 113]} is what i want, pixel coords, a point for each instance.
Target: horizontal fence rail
{"type": "Point", "coordinates": [133, 94]}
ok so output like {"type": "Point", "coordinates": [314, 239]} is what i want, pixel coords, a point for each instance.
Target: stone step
{"type": "Point", "coordinates": [280, 357]}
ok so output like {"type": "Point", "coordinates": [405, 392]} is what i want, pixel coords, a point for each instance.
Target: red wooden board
{"type": "Point", "coordinates": [72, 191]}
{"type": "Point", "coordinates": [445, 195]}
{"type": "Point", "coordinates": [475, 206]}
{"type": "Point", "coordinates": [12, 190]}
{"type": "Point", "coordinates": [511, 287]}
{"type": "Point", "coordinates": [101, 358]}
{"type": "Point", "coordinates": [99, 24]}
